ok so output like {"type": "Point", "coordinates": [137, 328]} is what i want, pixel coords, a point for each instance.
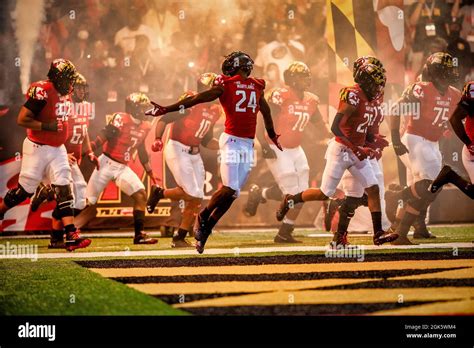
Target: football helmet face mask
{"type": "Point", "coordinates": [236, 61]}
{"type": "Point", "coordinates": [365, 60]}
{"type": "Point", "coordinates": [206, 81]}
{"type": "Point", "coordinates": [371, 79]}
{"type": "Point", "coordinates": [81, 89]}
{"type": "Point", "coordinates": [63, 74]}
{"type": "Point", "coordinates": [468, 93]}
{"type": "Point", "coordinates": [298, 76]}
{"type": "Point", "coordinates": [136, 104]}
{"type": "Point", "coordinates": [440, 69]}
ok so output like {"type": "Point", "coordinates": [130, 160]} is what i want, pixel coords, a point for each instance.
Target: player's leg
{"type": "Point", "coordinates": [294, 178]}
{"type": "Point", "coordinates": [132, 186]}
{"type": "Point", "coordinates": [222, 199]}
{"type": "Point", "coordinates": [33, 166]}
{"type": "Point", "coordinates": [429, 167]}
{"type": "Point", "coordinates": [278, 166]}
{"type": "Point", "coordinates": [98, 180]}
{"type": "Point", "coordinates": [60, 171]}
{"type": "Point", "coordinates": [193, 189]}
{"type": "Point", "coordinates": [364, 173]}
{"type": "Point", "coordinates": [354, 197]}
{"type": "Point", "coordinates": [378, 172]}
{"type": "Point", "coordinates": [337, 161]}
{"type": "Point", "coordinates": [447, 175]}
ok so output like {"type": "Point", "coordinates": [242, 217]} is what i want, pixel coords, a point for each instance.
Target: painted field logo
{"type": "Point", "coordinates": [37, 331]}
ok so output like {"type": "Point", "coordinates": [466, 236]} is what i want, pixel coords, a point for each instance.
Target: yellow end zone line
{"type": "Point", "coordinates": [236, 286]}
{"type": "Point", "coordinates": [282, 268]}
{"type": "Point", "coordinates": [307, 297]}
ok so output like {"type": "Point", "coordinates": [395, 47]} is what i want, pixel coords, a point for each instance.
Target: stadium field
{"type": "Point", "coordinates": [242, 274]}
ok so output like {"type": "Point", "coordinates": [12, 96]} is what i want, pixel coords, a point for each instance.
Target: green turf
{"type": "Point", "coordinates": [61, 287]}
{"type": "Point", "coordinates": [244, 240]}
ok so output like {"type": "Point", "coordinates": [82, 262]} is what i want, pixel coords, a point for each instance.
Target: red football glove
{"type": "Point", "coordinates": [156, 110]}
{"type": "Point", "coordinates": [276, 142]}
{"type": "Point", "coordinates": [93, 158]}
{"type": "Point", "coordinates": [157, 145]}
{"type": "Point", "coordinates": [470, 148]}
{"type": "Point", "coordinates": [380, 141]}
{"type": "Point", "coordinates": [363, 152]}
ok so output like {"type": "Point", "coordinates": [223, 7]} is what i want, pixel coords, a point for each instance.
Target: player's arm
{"type": "Point", "coordinates": [455, 120]}
{"type": "Point", "coordinates": [343, 110]}
{"type": "Point", "coordinates": [27, 117]}
{"type": "Point", "coordinates": [408, 96]}
{"type": "Point", "coordinates": [317, 121]}
{"type": "Point", "coordinates": [88, 151]}
{"type": "Point", "coordinates": [209, 141]}
{"type": "Point", "coordinates": [145, 161]}
{"type": "Point", "coordinates": [203, 97]}
{"type": "Point", "coordinates": [267, 120]}
{"type": "Point", "coordinates": [108, 133]}
{"type": "Point", "coordinates": [267, 151]}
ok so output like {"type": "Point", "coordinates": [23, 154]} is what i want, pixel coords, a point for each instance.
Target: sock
{"type": "Point", "coordinates": [205, 213]}
{"type": "Point", "coordinates": [138, 221]}
{"type": "Point", "coordinates": [462, 184]}
{"type": "Point", "coordinates": [220, 211]}
{"type": "Point", "coordinates": [298, 198]}
{"type": "Point", "coordinates": [376, 220]}
{"type": "Point", "coordinates": [405, 224]}
{"type": "Point", "coordinates": [286, 229]}
{"type": "Point", "coordinates": [70, 228]}
{"type": "Point", "coordinates": [57, 234]}
{"type": "Point", "coordinates": [180, 234]}
{"type": "Point", "coordinates": [272, 193]}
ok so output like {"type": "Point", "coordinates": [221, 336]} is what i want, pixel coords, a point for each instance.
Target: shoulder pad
{"type": "Point", "coordinates": [350, 96]}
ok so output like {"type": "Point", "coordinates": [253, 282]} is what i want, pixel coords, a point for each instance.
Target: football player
{"type": "Point", "coordinates": [347, 151]}
{"type": "Point", "coordinates": [431, 102]}
{"type": "Point", "coordinates": [45, 117]}
{"type": "Point", "coordinates": [78, 124]}
{"type": "Point", "coordinates": [241, 97]}
{"type": "Point", "coordinates": [464, 110]}
{"type": "Point", "coordinates": [293, 107]}
{"type": "Point", "coordinates": [188, 131]}
{"type": "Point", "coordinates": [121, 138]}
{"type": "Point", "coordinates": [353, 189]}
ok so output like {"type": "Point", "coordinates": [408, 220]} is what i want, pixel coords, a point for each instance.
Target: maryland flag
{"type": "Point", "coordinates": [364, 27]}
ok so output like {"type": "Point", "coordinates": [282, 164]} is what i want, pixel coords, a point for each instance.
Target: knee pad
{"type": "Point", "coordinates": [65, 200]}
{"type": "Point", "coordinates": [349, 205]}
{"type": "Point", "coordinates": [16, 196]}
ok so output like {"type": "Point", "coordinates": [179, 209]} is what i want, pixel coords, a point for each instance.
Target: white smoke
{"type": "Point", "coordinates": [27, 18]}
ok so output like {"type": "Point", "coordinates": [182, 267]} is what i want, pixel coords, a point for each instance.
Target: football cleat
{"type": "Point", "coordinates": [284, 207]}
{"type": "Point", "coordinates": [402, 240]}
{"type": "Point", "coordinates": [201, 233]}
{"type": "Point", "coordinates": [75, 241]}
{"type": "Point", "coordinates": [254, 199]}
{"type": "Point", "coordinates": [154, 199]}
{"type": "Point", "coordinates": [286, 239]}
{"type": "Point", "coordinates": [56, 243]}
{"type": "Point", "coordinates": [143, 238]}
{"type": "Point", "coordinates": [180, 243]}
{"type": "Point", "coordinates": [382, 237]}
{"type": "Point", "coordinates": [339, 240]}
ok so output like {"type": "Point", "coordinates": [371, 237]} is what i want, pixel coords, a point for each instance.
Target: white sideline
{"type": "Point", "coordinates": [235, 251]}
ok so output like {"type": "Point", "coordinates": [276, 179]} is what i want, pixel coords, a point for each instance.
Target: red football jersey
{"type": "Point", "coordinates": [57, 108]}
{"type": "Point", "coordinates": [355, 126]}
{"type": "Point", "coordinates": [240, 102]}
{"type": "Point", "coordinates": [190, 129]}
{"type": "Point", "coordinates": [77, 128]}
{"type": "Point", "coordinates": [469, 125]}
{"type": "Point", "coordinates": [294, 115]}
{"type": "Point", "coordinates": [132, 133]}
{"type": "Point", "coordinates": [377, 119]}
{"type": "Point", "coordinates": [433, 109]}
